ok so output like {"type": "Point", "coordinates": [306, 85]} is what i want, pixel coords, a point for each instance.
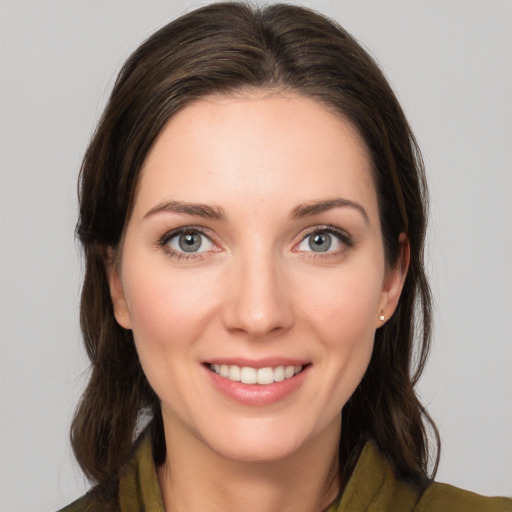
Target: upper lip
{"type": "Point", "coordinates": [258, 363]}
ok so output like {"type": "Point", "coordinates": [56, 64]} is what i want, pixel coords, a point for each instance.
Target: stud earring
{"type": "Point", "coordinates": [382, 318]}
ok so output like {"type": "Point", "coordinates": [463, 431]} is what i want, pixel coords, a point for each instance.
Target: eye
{"type": "Point", "coordinates": [189, 241]}
{"type": "Point", "coordinates": [324, 241]}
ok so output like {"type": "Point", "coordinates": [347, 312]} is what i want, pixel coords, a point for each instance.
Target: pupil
{"type": "Point", "coordinates": [320, 242]}
{"type": "Point", "coordinates": [190, 242]}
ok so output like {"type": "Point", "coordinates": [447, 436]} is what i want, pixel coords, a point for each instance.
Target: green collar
{"type": "Point", "coordinates": [372, 483]}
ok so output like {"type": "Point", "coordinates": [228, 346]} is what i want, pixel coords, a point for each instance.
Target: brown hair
{"type": "Point", "coordinates": [227, 48]}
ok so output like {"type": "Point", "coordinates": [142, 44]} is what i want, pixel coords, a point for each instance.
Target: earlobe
{"type": "Point", "coordinates": [394, 281]}
{"type": "Point", "coordinates": [116, 290]}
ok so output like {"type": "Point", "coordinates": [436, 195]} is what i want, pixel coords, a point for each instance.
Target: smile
{"type": "Point", "coordinates": [249, 375]}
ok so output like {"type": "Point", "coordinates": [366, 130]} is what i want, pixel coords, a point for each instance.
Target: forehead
{"type": "Point", "coordinates": [261, 146]}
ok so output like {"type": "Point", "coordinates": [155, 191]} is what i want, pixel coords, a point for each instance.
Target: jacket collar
{"type": "Point", "coordinates": [372, 484]}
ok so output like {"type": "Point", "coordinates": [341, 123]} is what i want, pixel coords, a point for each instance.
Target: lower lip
{"type": "Point", "coordinates": [257, 394]}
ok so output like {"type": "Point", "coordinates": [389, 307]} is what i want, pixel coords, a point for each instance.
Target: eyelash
{"type": "Point", "coordinates": [164, 240]}
{"type": "Point", "coordinates": [342, 236]}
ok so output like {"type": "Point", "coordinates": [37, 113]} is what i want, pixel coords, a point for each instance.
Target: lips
{"type": "Point", "coordinates": [257, 383]}
{"type": "Point", "coordinates": [250, 375]}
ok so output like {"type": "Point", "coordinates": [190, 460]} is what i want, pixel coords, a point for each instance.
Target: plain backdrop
{"type": "Point", "coordinates": [450, 64]}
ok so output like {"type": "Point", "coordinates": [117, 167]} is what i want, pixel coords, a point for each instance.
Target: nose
{"type": "Point", "coordinates": [259, 301]}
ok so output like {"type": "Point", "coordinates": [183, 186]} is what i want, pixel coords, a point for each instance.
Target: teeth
{"type": "Point", "coordinates": [279, 374]}
{"type": "Point", "coordinates": [289, 371]}
{"type": "Point", "coordinates": [265, 376]}
{"type": "Point", "coordinates": [234, 373]}
{"type": "Point", "coordinates": [249, 375]}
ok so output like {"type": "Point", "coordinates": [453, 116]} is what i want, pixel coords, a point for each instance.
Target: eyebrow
{"type": "Point", "coordinates": [218, 213]}
{"type": "Point", "coordinates": [316, 207]}
{"type": "Point", "coordinates": [186, 208]}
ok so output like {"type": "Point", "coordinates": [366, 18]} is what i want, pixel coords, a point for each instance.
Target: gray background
{"type": "Point", "coordinates": [450, 63]}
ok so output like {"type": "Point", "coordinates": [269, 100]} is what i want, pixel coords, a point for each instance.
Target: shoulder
{"type": "Point", "coordinates": [445, 498]}
{"type": "Point", "coordinates": [135, 488]}
{"type": "Point", "coordinates": [375, 486]}
{"type": "Point", "coordinates": [90, 503]}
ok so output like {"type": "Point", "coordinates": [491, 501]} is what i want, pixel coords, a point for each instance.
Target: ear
{"type": "Point", "coordinates": [394, 281]}
{"type": "Point", "coordinates": [116, 289]}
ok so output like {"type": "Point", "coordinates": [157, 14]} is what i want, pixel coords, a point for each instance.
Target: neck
{"type": "Point", "coordinates": [195, 477]}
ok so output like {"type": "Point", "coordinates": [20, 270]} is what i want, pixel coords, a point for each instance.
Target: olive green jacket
{"type": "Point", "coordinates": [371, 488]}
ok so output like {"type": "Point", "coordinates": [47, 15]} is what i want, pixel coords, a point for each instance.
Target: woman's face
{"type": "Point", "coordinates": [252, 273]}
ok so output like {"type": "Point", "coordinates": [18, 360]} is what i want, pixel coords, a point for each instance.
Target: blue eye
{"type": "Point", "coordinates": [320, 242]}
{"type": "Point", "coordinates": [324, 240]}
{"type": "Point", "coordinates": [190, 241]}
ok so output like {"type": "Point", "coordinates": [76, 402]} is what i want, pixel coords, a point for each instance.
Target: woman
{"type": "Point", "coordinates": [253, 212]}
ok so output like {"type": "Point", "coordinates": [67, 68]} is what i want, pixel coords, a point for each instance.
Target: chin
{"type": "Point", "coordinates": [256, 450]}
{"type": "Point", "coordinates": [258, 440]}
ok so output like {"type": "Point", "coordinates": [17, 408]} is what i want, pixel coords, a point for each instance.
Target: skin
{"type": "Point", "coordinates": [256, 289]}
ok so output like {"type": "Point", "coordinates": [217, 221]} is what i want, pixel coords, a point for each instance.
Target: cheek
{"type": "Point", "coordinates": [167, 309]}
{"type": "Point", "coordinates": [159, 295]}
{"type": "Point", "coordinates": [341, 312]}
{"type": "Point", "coordinates": [169, 314]}
{"type": "Point", "coordinates": [344, 304]}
